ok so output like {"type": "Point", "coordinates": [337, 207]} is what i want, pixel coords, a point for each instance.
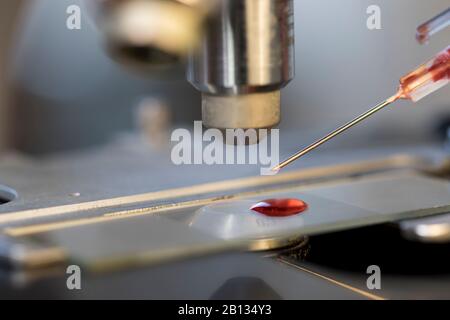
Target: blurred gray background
{"type": "Point", "coordinates": [69, 95]}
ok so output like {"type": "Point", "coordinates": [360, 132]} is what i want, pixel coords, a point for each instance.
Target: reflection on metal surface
{"type": "Point", "coordinates": [7, 194]}
{"type": "Point", "coordinates": [336, 282]}
{"type": "Point", "coordinates": [427, 231]}
{"type": "Point", "coordinates": [437, 230]}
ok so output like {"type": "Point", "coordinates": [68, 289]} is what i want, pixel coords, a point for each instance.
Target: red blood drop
{"type": "Point", "coordinates": [280, 207]}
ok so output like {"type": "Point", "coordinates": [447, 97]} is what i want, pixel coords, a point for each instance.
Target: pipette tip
{"type": "Point", "coordinates": [276, 168]}
{"type": "Point", "coordinates": [338, 131]}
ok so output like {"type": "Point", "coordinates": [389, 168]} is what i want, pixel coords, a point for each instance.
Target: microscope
{"type": "Point", "coordinates": [239, 54]}
{"type": "Point", "coordinates": [141, 227]}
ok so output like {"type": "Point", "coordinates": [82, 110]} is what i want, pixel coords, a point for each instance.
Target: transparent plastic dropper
{"type": "Point", "coordinates": [433, 26]}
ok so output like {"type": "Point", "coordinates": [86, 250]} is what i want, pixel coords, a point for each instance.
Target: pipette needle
{"type": "Point", "coordinates": [336, 132]}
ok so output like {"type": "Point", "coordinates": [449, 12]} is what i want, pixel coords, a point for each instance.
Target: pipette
{"type": "Point", "coordinates": [416, 85]}
{"type": "Point", "coordinates": [433, 26]}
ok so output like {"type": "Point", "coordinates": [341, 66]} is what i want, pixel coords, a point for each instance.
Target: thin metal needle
{"type": "Point", "coordinates": [336, 132]}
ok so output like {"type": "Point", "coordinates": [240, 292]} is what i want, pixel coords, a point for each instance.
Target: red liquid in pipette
{"type": "Point", "coordinates": [422, 33]}
{"type": "Point", "coordinates": [441, 66]}
{"type": "Point", "coordinates": [427, 78]}
{"type": "Point", "coordinates": [280, 207]}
